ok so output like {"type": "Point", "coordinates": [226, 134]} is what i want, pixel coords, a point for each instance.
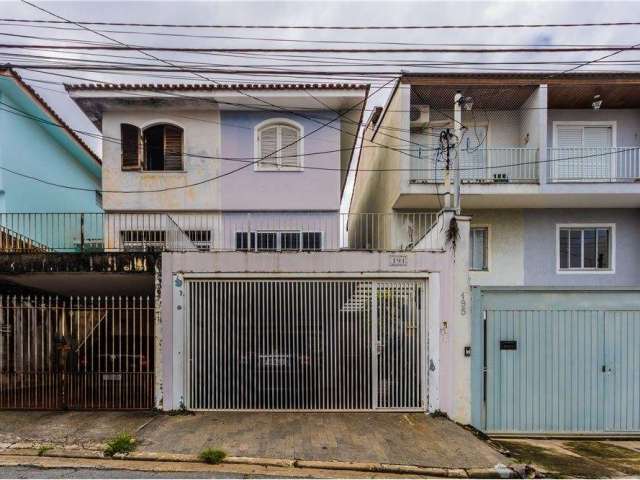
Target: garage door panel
{"type": "Point", "coordinates": [622, 371]}
{"type": "Point", "coordinates": [292, 344]}
{"type": "Point", "coordinates": [551, 380]}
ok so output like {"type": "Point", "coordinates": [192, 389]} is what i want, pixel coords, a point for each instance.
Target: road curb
{"type": "Point", "coordinates": [499, 471]}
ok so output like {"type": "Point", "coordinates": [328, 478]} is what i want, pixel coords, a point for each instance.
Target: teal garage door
{"type": "Point", "coordinates": [561, 362]}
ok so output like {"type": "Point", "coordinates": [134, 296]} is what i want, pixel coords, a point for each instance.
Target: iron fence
{"type": "Point", "coordinates": [76, 353]}
{"type": "Point", "coordinates": [229, 231]}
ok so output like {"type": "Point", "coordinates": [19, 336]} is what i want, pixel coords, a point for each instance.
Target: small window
{"type": "Point", "coordinates": [585, 248]}
{"type": "Point", "coordinates": [143, 240]}
{"type": "Point", "coordinates": [157, 148]}
{"type": "Point", "coordinates": [479, 248]}
{"type": "Point", "coordinates": [279, 241]}
{"type": "Point", "coordinates": [279, 146]}
{"type": "Point", "coordinates": [200, 238]}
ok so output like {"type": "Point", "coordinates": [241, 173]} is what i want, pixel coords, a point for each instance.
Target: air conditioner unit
{"type": "Point", "coordinates": [419, 115]}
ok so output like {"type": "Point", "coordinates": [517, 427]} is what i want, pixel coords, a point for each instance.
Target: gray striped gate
{"type": "Point", "coordinates": [305, 344]}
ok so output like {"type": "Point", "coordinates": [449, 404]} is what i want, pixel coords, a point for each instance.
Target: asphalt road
{"type": "Point", "coordinates": [34, 472]}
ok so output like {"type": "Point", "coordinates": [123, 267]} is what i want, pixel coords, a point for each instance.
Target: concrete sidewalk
{"type": "Point", "coordinates": [393, 438]}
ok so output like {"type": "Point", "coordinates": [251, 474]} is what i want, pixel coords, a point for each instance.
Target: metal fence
{"type": "Point", "coordinates": [282, 232]}
{"type": "Point", "coordinates": [291, 344]}
{"type": "Point", "coordinates": [588, 164]}
{"type": "Point", "coordinates": [76, 353]}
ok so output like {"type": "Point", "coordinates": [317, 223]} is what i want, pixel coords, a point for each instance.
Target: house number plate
{"type": "Point", "coordinates": [398, 260]}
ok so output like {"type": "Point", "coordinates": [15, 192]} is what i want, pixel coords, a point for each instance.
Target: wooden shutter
{"type": "Point", "coordinates": [172, 147]}
{"type": "Point", "coordinates": [268, 145]}
{"type": "Point", "coordinates": [130, 142]}
{"type": "Point", "coordinates": [289, 144]}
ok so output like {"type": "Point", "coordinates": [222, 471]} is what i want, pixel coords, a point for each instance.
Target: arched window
{"type": "Point", "coordinates": [279, 145]}
{"type": "Point", "coordinates": [156, 148]}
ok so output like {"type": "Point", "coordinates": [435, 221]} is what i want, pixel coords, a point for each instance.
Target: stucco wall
{"type": "Point", "coordinates": [377, 191]}
{"type": "Point", "coordinates": [505, 249]}
{"type": "Point", "coordinates": [309, 189]}
{"type": "Point", "coordinates": [201, 139]}
{"type": "Point", "coordinates": [27, 148]}
{"type": "Point", "coordinates": [540, 247]}
{"type": "Point", "coordinates": [627, 122]}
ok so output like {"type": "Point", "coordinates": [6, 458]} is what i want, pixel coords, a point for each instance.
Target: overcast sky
{"type": "Point", "coordinates": [311, 13]}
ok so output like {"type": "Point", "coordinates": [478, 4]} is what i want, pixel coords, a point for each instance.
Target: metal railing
{"type": "Point", "coordinates": [482, 165]}
{"type": "Point", "coordinates": [76, 353]}
{"type": "Point", "coordinates": [589, 164]}
{"type": "Point", "coordinates": [229, 231]}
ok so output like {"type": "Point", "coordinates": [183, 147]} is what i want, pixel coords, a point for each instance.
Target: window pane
{"type": "Point", "coordinates": [241, 241]}
{"type": "Point", "coordinates": [290, 241]}
{"type": "Point", "coordinates": [575, 248]}
{"type": "Point", "coordinates": [603, 248]}
{"type": "Point", "coordinates": [267, 240]}
{"type": "Point", "coordinates": [564, 248]}
{"type": "Point", "coordinates": [589, 248]}
{"type": "Point", "coordinates": [479, 248]}
{"type": "Point", "coordinates": [312, 241]}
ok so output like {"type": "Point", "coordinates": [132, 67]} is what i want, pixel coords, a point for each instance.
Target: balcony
{"type": "Point", "coordinates": [286, 232]}
{"type": "Point", "coordinates": [482, 165]}
{"type": "Point", "coordinates": [593, 164]}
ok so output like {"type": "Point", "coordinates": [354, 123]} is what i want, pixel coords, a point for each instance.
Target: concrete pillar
{"type": "Point", "coordinates": [541, 105]}
{"type": "Point", "coordinates": [455, 330]}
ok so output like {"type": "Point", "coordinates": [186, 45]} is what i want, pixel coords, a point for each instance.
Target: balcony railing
{"type": "Point", "coordinates": [593, 164]}
{"type": "Point", "coordinates": [183, 232]}
{"type": "Point", "coordinates": [482, 165]}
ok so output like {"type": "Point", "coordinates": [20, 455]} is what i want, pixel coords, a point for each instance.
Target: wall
{"type": "Point", "coordinates": [26, 147]}
{"type": "Point", "coordinates": [628, 122]}
{"type": "Point", "coordinates": [506, 246]}
{"type": "Point", "coordinates": [309, 189]}
{"type": "Point", "coordinates": [448, 323]}
{"type": "Point", "coordinates": [540, 247]}
{"type": "Point", "coordinates": [201, 138]}
{"type": "Point", "coordinates": [377, 191]}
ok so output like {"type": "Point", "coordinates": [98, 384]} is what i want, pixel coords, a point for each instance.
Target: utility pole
{"type": "Point", "coordinates": [445, 137]}
{"type": "Point", "coordinates": [457, 132]}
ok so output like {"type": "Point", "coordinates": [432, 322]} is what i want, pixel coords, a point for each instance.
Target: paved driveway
{"type": "Point", "coordinates": [411, 438]}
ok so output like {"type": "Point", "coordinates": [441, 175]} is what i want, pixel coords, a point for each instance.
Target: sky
{"type": "Point", "coordinates": [308, 13]}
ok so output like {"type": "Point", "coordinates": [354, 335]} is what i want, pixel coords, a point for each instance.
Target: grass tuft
{"type": "Point", "coordinates": [122, 443]}
{"type": "Point", "coordinates": [212, 456]}
{"type": "Point", "coordinates": [44, 449]}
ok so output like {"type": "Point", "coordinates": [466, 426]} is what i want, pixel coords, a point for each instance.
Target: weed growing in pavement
{"type": "Point", "coordinates": [212, 456]}
{"type": "Point", "coordinates": [44, 449]}
{"type": "Point", "coordinates": [122, 443]}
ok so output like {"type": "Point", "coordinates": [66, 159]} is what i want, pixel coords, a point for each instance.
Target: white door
{"type": "Point", "coordinates": [473, 154]}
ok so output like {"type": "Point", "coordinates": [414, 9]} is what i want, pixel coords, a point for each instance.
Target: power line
{"type": "Point", "coordinates": [151, 48]}
{"type": "Point", "coordinates": [334, 27]}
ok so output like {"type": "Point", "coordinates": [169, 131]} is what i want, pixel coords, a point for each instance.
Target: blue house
{"type": "Point", "coordinates": [36, 142]}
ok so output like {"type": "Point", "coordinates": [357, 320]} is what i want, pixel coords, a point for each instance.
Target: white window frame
{"type": "Point", "coordinates": [488, 227]}
{"type": "Point", "coordinates": [591, 271]}
{"type": "Point", "coordinates": [613, 124]}
{"type": "Point", "coordinates": [277, 159]}
{"type": "Point", "coordinates": [278, 233]}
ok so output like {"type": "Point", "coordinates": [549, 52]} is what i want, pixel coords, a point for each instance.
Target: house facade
{"type": "Point", "coordinates": [37, 143]}
{"type": "Point", "coordinates": [267, 296]}
{"type": "Point", "coordinates": [548, 169]}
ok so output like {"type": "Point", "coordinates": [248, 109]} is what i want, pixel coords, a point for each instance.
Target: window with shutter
{"type": "Point", "coordinates": [130, 144]}
{"type": "Point", "coordinates": [280, 146]}
{"type": "Point", "coordinates": [172, 147]}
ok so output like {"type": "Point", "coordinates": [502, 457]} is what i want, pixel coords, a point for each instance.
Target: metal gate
{"type": "Point", "coordinates": [76, 353]}
{"type": "Point", "coordinates": [292, 344]}
{"type": "Point", "coordinates": [554, 370]}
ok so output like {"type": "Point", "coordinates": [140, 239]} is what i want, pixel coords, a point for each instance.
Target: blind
{"type": "Point", "coordinates": [172, 148]}
{"type": "Point", "coordinates": [569, 136]}
{"type": "Point", "coordinates": [597, 137]}
{"type": "Point", "coordinates": [130, 144]}
{"type": "Point", "coordinates": [289, 143]}
{"type": "Point", "coordinates": [268, 145]}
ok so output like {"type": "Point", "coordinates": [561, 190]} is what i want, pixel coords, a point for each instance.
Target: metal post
{"type": "Point", "coordinates": [457, 129]}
